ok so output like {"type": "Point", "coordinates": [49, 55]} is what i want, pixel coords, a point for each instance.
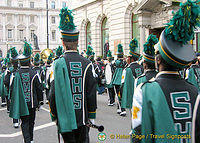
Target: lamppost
{"type": "Point", "coordinates": [47, 24]}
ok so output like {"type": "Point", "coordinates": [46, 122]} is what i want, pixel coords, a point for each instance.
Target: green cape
{"type": "Point", "coordinates": [156, 116]}
{"type": "Point", "coordinates": [117, 77]}
{"type": "Point", "coordinates": [63, 96]}
{"type": "Point", "coordinates": [18, 106]}
{"type": "Point", "coordinates": [140, 80]}
{"type": "Point", "coordinates": [128, 89]}
{"type": "Point", "coordinates": [3, 89]}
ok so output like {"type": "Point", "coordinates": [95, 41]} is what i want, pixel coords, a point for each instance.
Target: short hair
{"type": "Point", "coordinates": [70, 45]}
{"type": "Point", "coordinates": [149, 65]}
{"type": "Point", "coordinates": [167, 67]}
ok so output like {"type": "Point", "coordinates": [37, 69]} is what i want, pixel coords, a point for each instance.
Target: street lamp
{"type": "Point", "coordinates": [47, 24]}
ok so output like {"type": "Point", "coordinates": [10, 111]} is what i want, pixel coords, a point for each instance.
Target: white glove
{"type": "Point", "coordinates": [92, 121]}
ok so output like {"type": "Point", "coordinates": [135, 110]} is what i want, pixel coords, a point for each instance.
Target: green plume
{"type": "Point", "coordinates": [59, 51]}
{"type": "Point", "coordinates": [89, 50]}
{"type": "Point", "coordinates": [109, 54]}
{"type": "Point", "coordinates": [120, 48]}
{"type": "Point", "coordinates": [37, 57]}
{"type": "Point", "coordinates": [50, 58]}
{"type": "Point", "coordinates": [149, 45]}
{"type": "Point", "coordinates": [27, 49]}
{"type": "Point", "coordinates": [13, 52]}
{"type": "Point", "coordinates": [133, 44]}
{"type": "Point", "coordinates": [66, 20]}
{"type": "Point", "coordinates": [8, 55]}
{"type": "Point", "coordinates": [181, 26]}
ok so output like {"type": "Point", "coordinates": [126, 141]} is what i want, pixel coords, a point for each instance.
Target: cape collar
{"type": "Point", "coordinates": [167, 72]}
{"type": "Point", "coordinates": [70, 51]}
{"type": "Point", "coordinates": [24, 67]}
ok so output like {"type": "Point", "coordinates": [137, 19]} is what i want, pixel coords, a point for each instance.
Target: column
{"type": "Point", "coordinates": [15, 28]}
{"type": "Point", "coordinates": [142, 37]}
{"type": "Point", "coordinates": [4, 27]}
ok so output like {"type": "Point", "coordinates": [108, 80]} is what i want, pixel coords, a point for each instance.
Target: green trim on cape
{"type": "Point", "coordinates": [128, 89]}
{"type": "Point", "coordinates": [18, 105]}
{"type": "Point", "coordinates": [63, 97]}
{"type": "Point", "coordinates": [156, 115]}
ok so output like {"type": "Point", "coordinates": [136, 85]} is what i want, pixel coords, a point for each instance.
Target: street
{"type": "Point", "coordinates": [116, 127]}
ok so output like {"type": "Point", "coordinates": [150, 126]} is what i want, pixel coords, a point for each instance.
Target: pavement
{"type": "Point", "coordinates": [117, 128]}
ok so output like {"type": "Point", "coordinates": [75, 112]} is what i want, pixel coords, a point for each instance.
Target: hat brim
{"type": "Point", "coordinates": [70, 35]}
{"type": "Point", "coordinates": [175, 53]}
{"type": "Point", "coordinates": [148, 58]}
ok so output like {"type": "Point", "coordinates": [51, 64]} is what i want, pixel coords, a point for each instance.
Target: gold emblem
{"type": "Point", "coordinates": [135, 111]}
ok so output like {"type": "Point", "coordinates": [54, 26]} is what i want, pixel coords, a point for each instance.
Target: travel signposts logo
{"type": "Point", "coordinates": [102, 136]}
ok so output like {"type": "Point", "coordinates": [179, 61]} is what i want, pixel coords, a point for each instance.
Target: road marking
{"type": "Point", "coordinates": [45, 109]}
{"type": "Point", "coordinates": [20, 133]}
{"type": "Point", "coordinates": [3, 109]}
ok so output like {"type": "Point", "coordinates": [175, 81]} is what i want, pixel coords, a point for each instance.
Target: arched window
{"type": "Point", "coordinates": [104, 33]}
{"type": "Point", "coordinates": [1, 53]}
{"type": "Point", "coordinates": [135, 28]}
{"type": "Point", "coordinates": [88, 34]}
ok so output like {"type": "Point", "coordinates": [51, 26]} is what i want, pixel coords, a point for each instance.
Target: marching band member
{"type": "Point", "coordinates": [164, 106]}
{"type": "Point", "coordinates": [73, 88]}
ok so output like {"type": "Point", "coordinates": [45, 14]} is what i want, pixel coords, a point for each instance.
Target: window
{"type": "Point", "coordinates": [8, 2]}
{"type": "Point", "coordinates": [21, 34]}
{"type": "Point", "coordinates": [9, 18]}
{"type": "Point", "coordinates": [32, 19]}
{"type": "Point", "coordinates": [104, 33]}
{"type": "Point", "coordinates": [53, 5]}
{"type": "Point", "coordinates": [53, 35]}
{"type": "Point", "coordinates": [63, 4]}
{"type": "Point", "coordinates": [32, 34]}
{"type": "Point", "coordinates": [88, 34]}
{"type": "Point", "coordinates": [20, 5]}
{"type": "Point", "coordinates": [9, 33]}
{"type": "Point", "coordinates": [31, 4]}
{"type": "Point", "coordinates": [135, 28]}
{"type": "Point", "coordinates": [1, 35]}
{"type": "Point", "coordinates": [53, 20]}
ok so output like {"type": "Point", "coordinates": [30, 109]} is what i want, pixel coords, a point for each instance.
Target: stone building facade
{"type": "Point", "coordinates": [21, 19]}
{"type": "Point", "coordinates": [118, 21]}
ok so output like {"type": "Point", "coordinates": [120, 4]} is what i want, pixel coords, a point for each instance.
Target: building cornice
{"type": "Point", "coordinates": [27, 9]}
{"type": "Point", "coordinates": [83, 4]}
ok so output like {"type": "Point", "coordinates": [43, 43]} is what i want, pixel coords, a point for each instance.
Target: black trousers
{"type": "Point", "coordinates": [80, 135]}
{"type": "Point", "coordinates": [27, 125]}
{"type": "Point", "coordinates": [111, 93]}
{"type": "Point", "coordinates": [119, 91]}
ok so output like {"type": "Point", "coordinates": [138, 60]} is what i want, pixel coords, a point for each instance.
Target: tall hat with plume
{"type": "Point", "coordinates": [26, 55]}
{"type": "Point", "coordinates": [8, 58]}
{"type": "Point", "coordinates": [109, 54]}
{"type": "Point", "coordinates": [59, 51]}
{"type": "Point", "coordinates": [50, 59]}
{"type": "Point", "coordinates": [174, 44]}
{"type": "Point", "coordinates": [42, 62]}
{"type": "Point", "coordinates": [67, 27]}
{"type": "Point", "coordinates": [89, 51]}
{"type": "Point", "coordinates": [120, 50]}
{"type": "Point", "coordinates": [14, 54]}
{"type": "Point", "coordinates": [133, 47]}
{"type": "Point", "coordinates": [149, 51]}
{"type": "Point", "coordinates": [36, 59]}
